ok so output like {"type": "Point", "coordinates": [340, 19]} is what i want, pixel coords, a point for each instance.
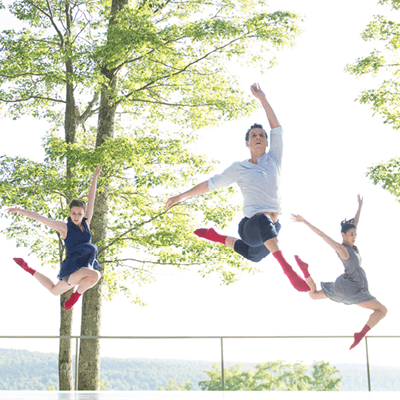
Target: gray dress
{"type": "Point", "coordinates": [352, 286]}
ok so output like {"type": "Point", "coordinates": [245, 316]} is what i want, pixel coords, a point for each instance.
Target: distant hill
{"type": "Point", "coordinates": [26, 370]}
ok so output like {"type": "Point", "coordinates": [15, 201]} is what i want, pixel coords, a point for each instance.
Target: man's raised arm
{"type": "Point", "coordinates": [260, 95]}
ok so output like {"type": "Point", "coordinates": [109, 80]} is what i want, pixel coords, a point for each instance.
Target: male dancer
{"type": "Point", "coordinates": [258, 179]}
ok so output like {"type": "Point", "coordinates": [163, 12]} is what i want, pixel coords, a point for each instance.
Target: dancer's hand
{"type": "Point", "coordinates": [97, 171]}
{"type": "Point", "coordinates": [297, 218]}
{"type": "Point", "coordinates": [360, 200]}
{"type": "Point", "coordinates": [13, 210]}
{"type": "Point", "coordinates": [256, 91]}
{"type": "Point", "coordinates": [172, 201]}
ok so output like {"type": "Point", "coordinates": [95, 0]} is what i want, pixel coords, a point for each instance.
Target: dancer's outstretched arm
{"type": "Point", "coordinates": [92, 195]}
{"type": "Point", "coordinates": [357, 216]}
{"type": "Point", "coordinates": [58, 226]}
{"type": "Point", "coordinates": [339, 248]}
{"type": "Point", "coordinates": [197, 190]}
{"type": "Point", "coordinates": [260, 95]}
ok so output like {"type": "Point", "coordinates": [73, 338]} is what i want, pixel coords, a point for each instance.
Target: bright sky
{"type": "Point", "coordinates": [330, 141]}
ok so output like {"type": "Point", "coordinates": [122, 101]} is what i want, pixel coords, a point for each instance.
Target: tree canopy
{"type": "Point", "coordinates": [384, 62]}
{"type": "Point", "coordinates": [274, 375]}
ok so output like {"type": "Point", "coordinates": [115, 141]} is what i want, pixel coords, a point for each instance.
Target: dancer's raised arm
{"type": "Point", "coordinates": [357, 216]}
{"type": "Point", "coordinates": [339, 248]}
{"type": "Point", "coordinates": [260, 95]}
{"type": "Point", "coordinates": [58, 226]}
{"type": "Point", "coordinates": [197, 190]}
{"type": "Point", "coordinates": [92, 194]}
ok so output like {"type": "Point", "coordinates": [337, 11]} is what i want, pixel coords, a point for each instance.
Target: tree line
{"type": "Point", "coordinates": [26, 370]}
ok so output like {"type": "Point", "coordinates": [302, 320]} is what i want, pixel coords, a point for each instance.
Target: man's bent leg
{"type": "Point", "coordinates": [210, 234]}
{"type": "Point", "coordinates": [297, 282]}
{"type": "Point", "coordinates": [272, 244]}
{"type": "Point", "coordinates": [230, 242]}
{"type": "Point", "coordinates": [255, 254]}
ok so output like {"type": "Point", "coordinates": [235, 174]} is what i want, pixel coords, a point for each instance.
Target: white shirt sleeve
{"type": "Point", "coordinates": [227, 177]}
{"type": "Point", "coordinates": [276, 146]}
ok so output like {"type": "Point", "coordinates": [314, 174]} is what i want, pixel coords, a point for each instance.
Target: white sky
{"type": "Point", "coordinates": [330, 141]}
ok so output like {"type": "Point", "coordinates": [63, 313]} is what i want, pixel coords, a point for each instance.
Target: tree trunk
{"type": "Point", "coordinates": [89, 351]}
{"type": "Point", "coordinates": [89, 354]}
{"type": "Point", "coordinates": [65, 376]}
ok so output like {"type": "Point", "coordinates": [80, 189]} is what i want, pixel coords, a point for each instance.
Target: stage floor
{"type": "Point", "coordinates": [194, 395]}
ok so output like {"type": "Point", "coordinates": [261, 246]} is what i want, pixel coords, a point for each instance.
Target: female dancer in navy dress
{"type": "Point", "coordinates": [80, 266]}
{"type": "Point", "coordinates": [352, 286]}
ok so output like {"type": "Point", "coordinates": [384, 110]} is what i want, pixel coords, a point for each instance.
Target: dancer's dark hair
{"type": "Point", "coordinates": [347, 225]}
{"type": "Point", "coordinates": [77, 203]}
{"type": "Point", "coordinates": [254, 126]}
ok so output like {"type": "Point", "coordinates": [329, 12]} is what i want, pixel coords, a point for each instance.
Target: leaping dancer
{"type": "Point", "coordinates": [352, 286]}
{"type": "Point", "coordinates": [259, 180]}
{"type": "Point", "coordinates": [80, 268]}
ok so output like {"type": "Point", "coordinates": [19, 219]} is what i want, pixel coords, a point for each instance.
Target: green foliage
{"type": "Point", "coordinates": [173, 60]}
{"type": "Point", "coordinates": [382, 61]}
{"type": "Point", "coordinates": [387, 175]}
{"type": "Point", "coordinates": [394, 3]}
{"type": "Point", "coordinates": [385, 99]}
{"type": "Point", "coordinates": [173, 385]}
{"type": "Point", "coordinates": [103, 384]}
{"type": "Point", "coordinates": [274, 375]}
{"type": "Point", "coordinates": [25, 370]}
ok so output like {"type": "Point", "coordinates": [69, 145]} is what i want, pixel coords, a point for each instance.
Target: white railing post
{"type": "Point", "coordinates": [76, 363]}
{"type": "Point", "coordinates": [366, 352]}
{"type": "Point", "coordinates": [222, 365]}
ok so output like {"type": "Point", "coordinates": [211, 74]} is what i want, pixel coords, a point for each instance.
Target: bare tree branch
{"type": "Point", "coordinates": [32, 97]}
{"type": "Point", "coordinates": [171, 104]}
{"type": "Point", "coordinates": [89, 110]}
{"type": "Point", "coordinates": [153, 262]}
{"type": "Point", "coordinates": [120, 237]}
{"type": "Point", "coordinates": [51, 18]}
{"type": "Point", "coordinates": [151, 83]}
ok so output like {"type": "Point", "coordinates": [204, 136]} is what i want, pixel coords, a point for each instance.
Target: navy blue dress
{"type": "Point", "coordinates": [81, 252]}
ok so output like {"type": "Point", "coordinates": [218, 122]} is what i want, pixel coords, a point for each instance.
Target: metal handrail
{"type": "Point", "coordinates": [200, 337]}
{"type": "Point", "coordinates": [192, 337]}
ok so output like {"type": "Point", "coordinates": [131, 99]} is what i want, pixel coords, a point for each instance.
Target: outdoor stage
{"type": "Point", "coordinates": [195, 395]}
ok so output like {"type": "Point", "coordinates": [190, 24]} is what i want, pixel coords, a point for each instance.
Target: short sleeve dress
{"type": "Point", "coordinates": [352, 286]}
{"type": "Point", "coordinates": [81, 252]}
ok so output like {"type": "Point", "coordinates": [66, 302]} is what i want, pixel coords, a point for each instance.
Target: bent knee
{"type": "Point", "coordinates": [317, 295]}
{"type": "Point", "coordinates": [384, 311]}
{"type": "Point", "coordinates": [256, 259]}
{"type": "Point", "coordinates": [313, 295]}
{"type": "Point", "coordinates": [95, 276]}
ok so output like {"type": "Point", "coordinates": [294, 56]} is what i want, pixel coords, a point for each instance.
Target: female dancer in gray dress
{"type": "Point", "coordinates": [352, 286]}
